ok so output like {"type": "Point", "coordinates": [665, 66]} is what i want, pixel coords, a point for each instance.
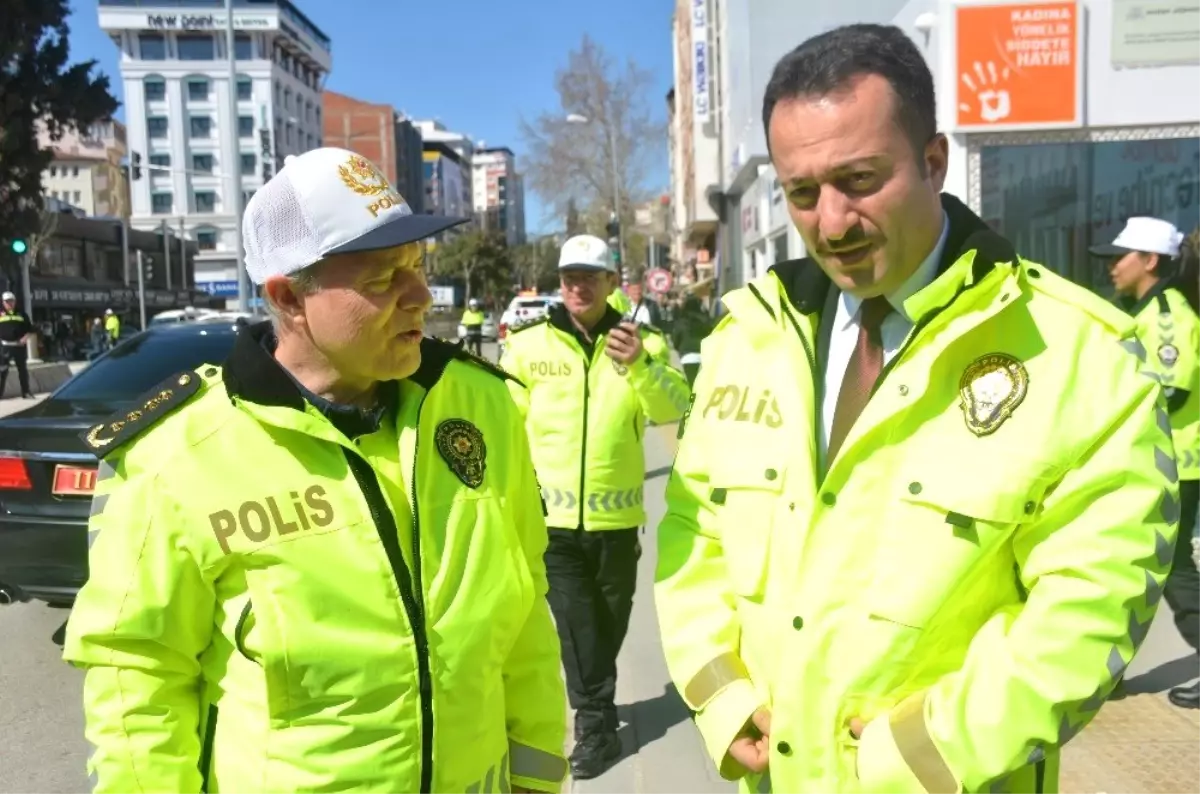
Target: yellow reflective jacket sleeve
{"type": "Point", "coordinates": [701, 630]}
{"type": "Point", "coordinates": [138, 628]}
{"type": "Point", "coordinates": [661, 389]}
{"type": "Point", "coordinates": [1093, 565]}
{"type": "Point", "coordinates": [533, 685]}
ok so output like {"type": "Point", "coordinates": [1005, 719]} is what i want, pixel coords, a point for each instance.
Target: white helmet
{"type": "Point", "coordinates": [474, 304]}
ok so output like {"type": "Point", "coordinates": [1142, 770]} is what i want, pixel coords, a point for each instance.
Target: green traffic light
{"type": "Point", "coordinates": [19, 247]}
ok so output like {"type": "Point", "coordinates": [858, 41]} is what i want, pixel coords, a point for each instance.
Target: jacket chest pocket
{"type": "Point", "coordinates": [746, 492]}
{"type": "Point", "coordinates": [946, 543]}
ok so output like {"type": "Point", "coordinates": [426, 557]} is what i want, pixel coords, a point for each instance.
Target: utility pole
{"type": "Point", "coordinates": [166, 235]}
{"type": "Point", "coordinates": [125, 218]}
{"type": "Point", "coordinates": [183, 279]}
{"type": "Point", "coordinates": [141, 289]}
{"type": "Point", "coordinates": [235, 169]}
{"type": "Point", "coordinates": [612, 150]}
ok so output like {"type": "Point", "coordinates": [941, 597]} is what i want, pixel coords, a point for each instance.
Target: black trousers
{"type": "Point", "coordinates": [475, 341]}
{"type": "Point", "coordinates": [17, 356]}
{"type": "Point", "coordinates": [1182, 590]}
{"type": "Point", "coordinates": [592, 578]}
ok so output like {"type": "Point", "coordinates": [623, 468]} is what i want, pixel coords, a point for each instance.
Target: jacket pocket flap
{"type": "Point", "coordinates": [966, 500]}
{"type": "Point", "coordinates": [751, 471]}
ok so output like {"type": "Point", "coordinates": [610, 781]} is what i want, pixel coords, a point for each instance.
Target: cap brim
{"type": "Point", "coordinates": [1107, 250]}
{"type": "Point", "coordinates": [403, 230]}
{"type": "Point", "coordinates": [587, 266]}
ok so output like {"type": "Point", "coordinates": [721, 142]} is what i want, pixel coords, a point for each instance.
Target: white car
{"type": "Point", "coordinates": [490, 333]}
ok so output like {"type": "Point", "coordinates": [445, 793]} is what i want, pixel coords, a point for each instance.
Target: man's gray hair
{"type": "Point", "coordinates": [304, 281]}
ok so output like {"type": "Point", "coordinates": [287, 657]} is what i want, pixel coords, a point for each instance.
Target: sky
{"type": "Point", "coordinates": [477, 65]}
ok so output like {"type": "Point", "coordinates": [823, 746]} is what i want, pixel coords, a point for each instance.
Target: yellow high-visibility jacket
{"type": "Point", "coordinates": [975, 569]}
{"type": "Point", "coordinates": [275, 606]}
{"type": "Point", "coordinates": [1170, 331]}
{"type": "Point", "coordinates": [586, 417]}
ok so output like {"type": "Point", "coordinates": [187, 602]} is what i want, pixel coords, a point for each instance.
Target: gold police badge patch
{"type": "Point", "coordinates": [461, 445]}
{"type": "Point", "coordinates": [990, 390]}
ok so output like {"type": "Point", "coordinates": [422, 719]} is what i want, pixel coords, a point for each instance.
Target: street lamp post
{"type": "Point", "coordinates": [235, 175]}
{"type": "Point", "coordinates": [575, 118]}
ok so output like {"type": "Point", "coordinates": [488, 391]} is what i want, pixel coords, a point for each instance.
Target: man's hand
{"type": "Point", "coordinates": [752, 747]}
{"type": "Point", "coordinates": [856, 727]}
{"type": "Point", "coordinates": [624, 343]}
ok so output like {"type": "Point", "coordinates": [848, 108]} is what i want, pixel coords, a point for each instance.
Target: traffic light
{"type": "Point", "coordinates": [613, 228]}
{"type": "Point", "coordinates": [19, 246]}
{"type": "Point", "coordinates": [135, 166]}
{"type": "Point", "coordinates": [148, 268]}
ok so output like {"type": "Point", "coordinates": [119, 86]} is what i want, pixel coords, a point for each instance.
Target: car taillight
{"type": "Point", "coordinates": [14, 476]}
{"type": "Point", "coordinates": [502, 331]}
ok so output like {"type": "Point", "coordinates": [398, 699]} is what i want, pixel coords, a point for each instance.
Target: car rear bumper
{"type": "Point", "coordinates": [43, 558]}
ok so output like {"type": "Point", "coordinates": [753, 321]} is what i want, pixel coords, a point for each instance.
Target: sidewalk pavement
{"type": "Point", "coordinates": [1138, 743]}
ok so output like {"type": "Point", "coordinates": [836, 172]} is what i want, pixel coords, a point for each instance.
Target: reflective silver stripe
{"type": "Point", "coordinates": [712, 678]}
{"type": "Point", "coordinates": [98, 503]}
{"type": "Point", "coordinates": [1164, 421]}
{"type": "Point", "coordinates": [104, 471]}
{"type": "Point", "coordinates": [1154, 376]}
{"type": "Point", "coordinates": [530, 762]}
{"type": "Point", "coordinates": [1166, 465]}
{"type": "Point", "coordinates": [559, 498]}
{"type": "Point", "coordinates": [611, 501]}
{"type": "Point", "coordinates": [1170, 508]}
{"type": "Point", "coordinates": [1135, 347]}
{"type": "Point", "coordinates": [92, 535]}
{"type": "Point", "coordinates": [924, 760]}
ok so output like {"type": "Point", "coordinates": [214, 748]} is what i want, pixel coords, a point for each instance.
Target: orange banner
{"type": "Point", "coordinates": [1017, 64]}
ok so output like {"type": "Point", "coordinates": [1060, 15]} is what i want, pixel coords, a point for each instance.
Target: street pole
{"type": "Point", "coordinates": [612, 150]}
{"type": "Point", "coordinates": [235, 169]}
{"type": "Point", "coordinates": [141, 289]}
{"type": "Point", "coordinates": [125, 220]}
{"type": "Point", "coordinates": [182, 256]}
{"type": "Point", "coordinates": [166, 235]}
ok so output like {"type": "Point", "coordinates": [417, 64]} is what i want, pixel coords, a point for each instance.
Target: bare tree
{"type": "Point", "coordinates": [575, 159]}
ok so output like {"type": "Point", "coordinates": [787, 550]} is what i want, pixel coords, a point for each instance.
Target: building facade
{"type": "Point", "coordinates": [177, 109]}
{"type": "Point", "coordinates": [410, 164]}
{"type": "Point", "coordinates": [1084, 114]}
{"type": "Point", "coordinates": [498, 193]}
{"type": "Point", "coordinates": [86, 172]}
{"type": "Point", "coordinates": [447, 181]}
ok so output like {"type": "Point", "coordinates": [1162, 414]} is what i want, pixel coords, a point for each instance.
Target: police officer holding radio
{"type": "Point", "coordinates": [1144, 260]}
{"type": "Point", "coordinates": [321, 566]}
{"type": "Point", "coordinates": [592, 379]}
{"type": "Point", "coordinates": [14, 332]}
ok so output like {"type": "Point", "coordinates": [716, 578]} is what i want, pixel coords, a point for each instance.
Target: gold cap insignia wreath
{"type": "Point", "coordinates": [360, 175]}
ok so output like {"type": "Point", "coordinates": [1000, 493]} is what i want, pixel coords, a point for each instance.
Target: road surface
{"type": "Point", "coordinates": [1139, 743]}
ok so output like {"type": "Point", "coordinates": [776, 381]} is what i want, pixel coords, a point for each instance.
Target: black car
{"type": "Point", "coordinates": [46, 472]}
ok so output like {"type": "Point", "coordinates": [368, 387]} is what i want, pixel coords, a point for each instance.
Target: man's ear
{"type": "Point", "coordinates": [280, 292]}
{"type": "Point", "coordinates": [1152, 261]}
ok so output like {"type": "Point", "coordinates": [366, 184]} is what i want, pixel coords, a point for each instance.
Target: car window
{"type": "Point", "coordinates": [139, 364]}
{"type": "Point", "coordinates": [540, 304]}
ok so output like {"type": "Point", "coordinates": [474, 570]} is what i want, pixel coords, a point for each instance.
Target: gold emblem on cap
{"type": "Point", "coordinates": [360, 175]}
{"type": "Point", "coordinates": [990, 389]}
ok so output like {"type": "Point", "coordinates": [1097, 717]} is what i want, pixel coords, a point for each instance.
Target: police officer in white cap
{"type": "Point", "coordinates": [320, 567]}
{"type": "Point", "coordinates": [14, 332]}
{"type": "Point", "coordinates": [1144, 262]}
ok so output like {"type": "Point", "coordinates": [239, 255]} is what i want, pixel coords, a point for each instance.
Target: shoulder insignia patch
{"type": "Point", "coordinates": [461, 445]}
{"type": "Point", "coordinates": [545, 318]}
{"type": "Point", "coordinates": [124, 426]}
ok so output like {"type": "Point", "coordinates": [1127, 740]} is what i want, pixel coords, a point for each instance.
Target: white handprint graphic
{"type": "Point", "coordinates": [995, 103]}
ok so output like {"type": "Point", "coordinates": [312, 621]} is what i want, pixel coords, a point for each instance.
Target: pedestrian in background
{"type": "Point", "coordinates": [1145, 262]}
{"type": "Point", "coordinates": [15, 329]}
{"type": "Point", "coordinates": [319, 567]}
{"type": "Point", "coordinates": [923, 505]}
{"type": "Point", "coordinates": [691, 325]}
{"type": "Point", "coordinates": [112, 326]}
{"type": "Point", "coordinates": [472, 320]}
{"type": "Point", "coordinates": [591, 380]}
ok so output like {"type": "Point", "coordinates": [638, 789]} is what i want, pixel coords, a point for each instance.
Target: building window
{"type": "Point", "coordinates": [245, 88]}
{"type": "Point", "coordinates": [53, 170]}
{"type": "Point", "coordinates": [78, 197]}
{"type": "Point", "coordinates": [161, 203]}
{"type": "Point", "coordinates": [156, 90]}
{"type": "Point", "coordinates": [198, 90]}
{"type": "Point", "coordinates": [202, 163]}
{"type": "Point", "coordinates": [278, 92]}
{"type": "Point", "coordinates": [288, 134]}
{"type": "Point", "coordinates": [157, 126]}
{"type": "Point", "coordinates": [249, 162]}
{"type": "Point", "coordinates": [163, 160]}
{"type": "Point", "coordinates": [196, 48]}
{"type": "Point", "coordinates": [308, 112]}
{"type": "Point", "coordinates": [206, 239]}
{"type": "Point", "coordinates": [206, 201]}
{"type": "Point", "coordinates": [246, 196]}
{"type": "Point", "coordinates": [780, 244]}
{"type": "Point", "coordinates": [242, 49]}
{"type": "Point", "coordinates": [152, 46]}
{"type": "Point", "coordinates": [245, 126]}
{"type": "Point", "coordinates": [287, 99]}
{"type": "Point", "coordinates": [201, 126]}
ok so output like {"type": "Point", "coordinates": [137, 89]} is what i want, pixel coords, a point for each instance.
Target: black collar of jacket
{"type": "Point", "coordinates": [252, 373]}
{"type": "Point", "coordinates": [561, 319]}
{"type": "Point", "coordinates": [1156, 293]}
{"type": "Point", "coordinates": [807, 286]}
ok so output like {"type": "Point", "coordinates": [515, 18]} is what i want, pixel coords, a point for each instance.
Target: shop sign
{"type": "Point", "coordinates": [1155, 33]}
{"type": "Point", "coordinates": [204, 22]}
{"type": "Point", "coordinates": [701, 98]}
{"type": "Point", "coordinates": [1018, 66]}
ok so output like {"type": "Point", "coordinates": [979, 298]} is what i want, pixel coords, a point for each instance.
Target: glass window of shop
{"type": "Point", "coordinates": [61, 259]}
{"type": "Point", "coordinates": [1056, 200]}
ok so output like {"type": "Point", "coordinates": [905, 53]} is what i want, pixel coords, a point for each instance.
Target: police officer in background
{"type": "Point", "coordinates": [923, 504]}
{"type": "Point", "coordinates": [14, 333]}
{"type": "Point", "coordinates": [1145, 258]}
{"type": "Point", "coordinates": [320, 566]}
{"type": "Point", "coordinates": [592, 379]}
{"type": "Point", "coordinates": [472, 320]}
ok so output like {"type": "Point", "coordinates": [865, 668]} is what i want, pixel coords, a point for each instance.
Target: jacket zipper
{"type": "Point", "coordinates": [587, 367]}
{"type": "Point", "coordinates": [389, 535]}
{"type": "Point", "coordinates": [818, 397]}
{"type": "Point", "coordinates": [206, 746]}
